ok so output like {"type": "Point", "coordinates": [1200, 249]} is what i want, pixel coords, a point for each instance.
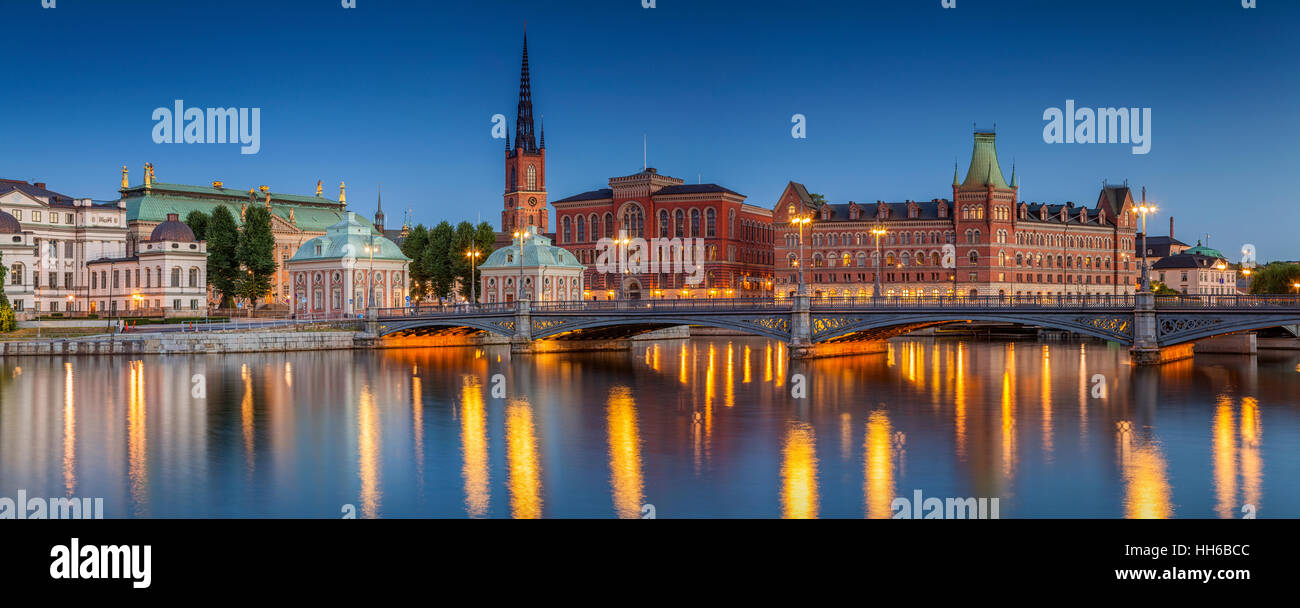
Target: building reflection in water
{"type": "Point", "coordinates": [368, 453]}
{"type": "Point", "coordinates": [1252, 465]}
{"type": "Point", "coordinates": [69, 432]}
{"type": "Point", "coordinates": [137, 438]}
{"type": "Point", "coordinates": [878, 487]}
{"type": "Point", "coordinates": [624, 453]}
{"type": "Point", "coordinates": [1147, 493]}
{"type": "Point", "coordinates": [525, 480]}
{"type": "Point", "coordinates": [1045, 397]}
{"type": "Point", "coordinates": [1009, 415]}
{"type": "Point", "coordinates": [799, 498]}
{"type": "Point", "coordinates": [474, 446]}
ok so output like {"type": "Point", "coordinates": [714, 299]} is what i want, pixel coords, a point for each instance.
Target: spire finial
{"type": "Point", "coordinates": [524, 118]}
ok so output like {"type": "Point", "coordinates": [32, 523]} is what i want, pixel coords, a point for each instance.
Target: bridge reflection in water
{"type": "Point", "coordinates": [1152, 326]}
{"type": "Point", "coordinates": [706, 427]}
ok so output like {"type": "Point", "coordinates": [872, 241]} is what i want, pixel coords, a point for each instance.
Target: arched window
{"type": "Point", "coordinates": [568, 231]}
{"type": "Point", "coordinates": [610, 225]}
{"type": "Point", "coordinates": [711, 222]}
{"type": "Point", "coordinates": [731, 221]}
{"type": "Point", "coordinates": [582, 229]}
{"type": "Point", "coordinates": [695, 222]}
{"type": "Point", "coordinates": [846, 260]}
{"type": "Point", "coordinates": [974, 257]}
{"type": "Point", "coordinates": [663, 223]}
{"type": "Point", "coordinates": [793, 260]}
{"type": "Point", "coordinates": [532, 178]}
{"type": "Point", "coordinates": [679, 224]}
{"type": "Point", "coordinates": [16, 274]}
{"type": "Point", "coordinates": [194, 277]}
{"type": "Point", "coordinates": [176, 276]}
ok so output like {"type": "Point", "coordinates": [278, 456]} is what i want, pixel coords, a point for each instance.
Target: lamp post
{"type": "Point", "coordinates": [1144, 208]}
{"type": "Point", "coordinates": [622, 241]}
{"type": "Point", "coordinates": [877, 231]}
{"type": "Point", "coordinates": [473, 255]}
{"type": "Point", "coordinates": [519, 286]}
{"type": "Point", "coordinates": [370, 274]}
{"type": "Point", "coordinates": [801, 221]}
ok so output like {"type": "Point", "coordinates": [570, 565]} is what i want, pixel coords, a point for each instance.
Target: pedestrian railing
{"type": "Point", "coordinates": [662, 305]}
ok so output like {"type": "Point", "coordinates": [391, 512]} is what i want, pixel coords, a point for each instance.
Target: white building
{"type": "Point", "coordinates": [55, 236]}
{"type": "Point", "coordinates": [347, 270]}
{"type": "Point", "coordinates": [167, 276]}
{"type": "Point", "coordinates": [553, 272]}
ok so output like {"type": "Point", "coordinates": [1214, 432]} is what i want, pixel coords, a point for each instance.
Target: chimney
{"type": "Point", "coordinates": [1171, 227]}
{"type": "Point", "coordinates": [40, 185]}
{"type": "Point", "coordinates": [173, 217]}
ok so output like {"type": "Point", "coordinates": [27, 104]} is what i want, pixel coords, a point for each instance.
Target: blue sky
{"type": "Point", "coordinates": [402, 92]}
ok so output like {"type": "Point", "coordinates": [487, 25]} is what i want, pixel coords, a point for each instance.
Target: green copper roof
{"type": "Point", "coordinates": [152, 204]}
{"type": "Point", "coordinates": [538, 251]}
{"type": "Point", "coordinates": [1205, 251]}
{"type": "Point", "coordinates": [351, 236]}
{"type": "Point", "coordinates": [984, 169]}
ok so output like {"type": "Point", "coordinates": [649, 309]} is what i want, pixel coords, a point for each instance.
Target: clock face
{"type": "Point", "coordinates": [532, 202]}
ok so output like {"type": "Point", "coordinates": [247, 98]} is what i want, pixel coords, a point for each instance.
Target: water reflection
{"type": "Point", "coordinates": [425, 432]}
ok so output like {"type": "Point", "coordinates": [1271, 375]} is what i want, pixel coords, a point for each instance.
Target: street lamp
{"type": "Point", "coordinates": [473, 255]}
{"type": "Point", "coordinates": [877, 231]}
{"type": "Point", "coordinates": [519, 286]}
{"type": "Point", "coordinates": [801, 221]}
{"type": "Point", "coordinates": [1144, 208]}
{"type": "Point", "coordinates": [622, 242]}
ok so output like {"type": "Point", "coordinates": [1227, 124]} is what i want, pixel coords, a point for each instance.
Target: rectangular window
{"type": "Point", "coordinates": [67, 218]}
{"type": "Point", "coordinates": [54, 280]}
{"type": "Point", "coordinates": [18, 214]}
{"type": "Point", "coordinates": [176, 304]}
{"type": "Point", "coordinates": [67, 280]}
{"type": "Point", "coordinates": [36, 216]}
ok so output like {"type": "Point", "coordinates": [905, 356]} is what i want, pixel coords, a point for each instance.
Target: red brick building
{"type": "Point", "coordinates": [737, 237]}
{"type": "Point", "coordinates": [1000, 246]}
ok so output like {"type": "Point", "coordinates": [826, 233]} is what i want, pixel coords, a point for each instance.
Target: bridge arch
{"type": "Point", "coordinates": [776, 326]}
{"type": "Point", "coordinates": [504, 326]}
{"type": "Point", "coordinates": [1112, 327]}
{"type": "Point", "coordinates": [1180, 329]}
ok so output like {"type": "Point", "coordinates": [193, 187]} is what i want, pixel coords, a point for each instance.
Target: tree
{"type": "Point", "coordinates": [464, 240]}
{"type": "Point", "coordinates": [198, 222]}
{"type": "Point", "coordinates": [436, 259]}
{"type": "Point", "coordinates": [256, 254]}
{"type": "Point", "coordinates": [413, 247]}
{"type": "Point", "coordinates": [223, 260]}
{"type": "Point", "coordinates": [1161, 289]}
{"type": "Point", "coordinates": [1276, 278]}
{"type": "Point", "coordinates": [817, 199]}
{"type": "Point", "coordinates": [8, 322]}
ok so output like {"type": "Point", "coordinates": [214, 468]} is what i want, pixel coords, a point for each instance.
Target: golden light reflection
{"type": "Point", "coordinates": [799, 473]}
{"type": "Point", "coordinates": [69, 433]}
{"type": "Point", "coordinates": [729, 388]}
{"type": "Point", "coordinates": [780, 364]}
{"type": "Point", "coordinates": [1083, 394]}
{"type": "Point", "coordinates": [745, 364]}
{"type": "Point", "coordinates": [878, 487]}
{"type": "Point", "coordinates": [624, 453]}
{"type": "Point", "coordinates": [1045, 395]}
{"type": "Point", "coordinates": [1147, 494]}
{"type": "Point", "coordinates": [137, 437]}
{"type": "Point", "coordinates": [1252, 465]}
{"type": "Point", "coordinates": [846, 436]}
{"type": "Point", "coordinates": [288, 374]}
{"type": "Point", "coordinates": [681, 365]}
{"type": "Point", "coordinates": [417, 425]}
{"type": "Point", "coordinates": [474, 447]}
{"type": "Point", "coordinates": [1224, 450]}
{"type": "Point", "coordinates": [1009, 413]}
{"type": "Point", "coordinates": [246, 416]}
{"type": "Point", "coordinates": [767, 362]}
{"type": "Point", "coordinates": [959, 399]}
{"type": "Point", "coordinates": [655, 360]}
{"type": "Point", "coordinates": [525, 468]}
{"type": "Point", "coordinates": [368, 445]}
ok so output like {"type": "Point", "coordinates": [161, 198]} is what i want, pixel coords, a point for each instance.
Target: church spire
{"type": "Point", "coordinates": [524, 121]}
{"type": "Point", "coordinates": [379, 209]}
{"type": "Point", "coordinates": [542, 126]}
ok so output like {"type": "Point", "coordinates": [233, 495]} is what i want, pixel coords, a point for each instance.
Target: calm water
{"type": "Point", "coordinates": [702, 428]}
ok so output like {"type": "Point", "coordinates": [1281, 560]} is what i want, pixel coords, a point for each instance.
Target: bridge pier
{"type": "Point", "coordinates": [1146, 349]}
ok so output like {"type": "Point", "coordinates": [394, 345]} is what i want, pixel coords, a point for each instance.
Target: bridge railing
{"type": "Point", "coordinates": [449, 310]}
{"type": "Point", "coordinates": [977, 302]}
{"type": "Point", "coordinates": [1238, 302]}
{"type": "Point", "coordinates": [676, 305]}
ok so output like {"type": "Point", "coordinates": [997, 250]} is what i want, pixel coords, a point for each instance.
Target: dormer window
{"type": "Point", "coordinates": [318, 248]}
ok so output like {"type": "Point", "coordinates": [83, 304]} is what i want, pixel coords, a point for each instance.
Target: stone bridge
{"type": "Point", "coordinates": [1157, 329]}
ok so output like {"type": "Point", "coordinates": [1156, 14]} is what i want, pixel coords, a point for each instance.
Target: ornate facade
{"type": "Point", "coordinates": [346, 270]}
{"type": "Point", "coordinates": [999, 245]}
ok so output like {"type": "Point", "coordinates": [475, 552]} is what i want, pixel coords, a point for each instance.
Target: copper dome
{"type": "Point", "coordinates": [172, 230]}
{"type": "Point", "coordinates": [9, 224]}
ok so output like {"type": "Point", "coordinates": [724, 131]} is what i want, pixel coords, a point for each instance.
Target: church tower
{"type": "Point", "coordinates": [525, 175]}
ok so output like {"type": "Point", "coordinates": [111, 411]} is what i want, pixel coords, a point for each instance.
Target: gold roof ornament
{"type": "Point", "coordinates": [148, 175]}
{"type": "Point", "coordinates": [343, 194]}
{"type": "Point", "coordinates": [125, 183]}
{"type": "Point", "coordinates": [318, 188]}
{"type": "Point", "coordinates": [291, 220]}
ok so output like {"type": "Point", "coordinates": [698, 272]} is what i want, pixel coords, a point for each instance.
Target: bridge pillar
{"type": "Point", "coordinates": [801, 321]}
{"type": "Point", "coordinates": [372, 321]}
{"type": "Point", "coordinates": [522, 341]}
{"type": "Point", "coordinates": [1146, 348]}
